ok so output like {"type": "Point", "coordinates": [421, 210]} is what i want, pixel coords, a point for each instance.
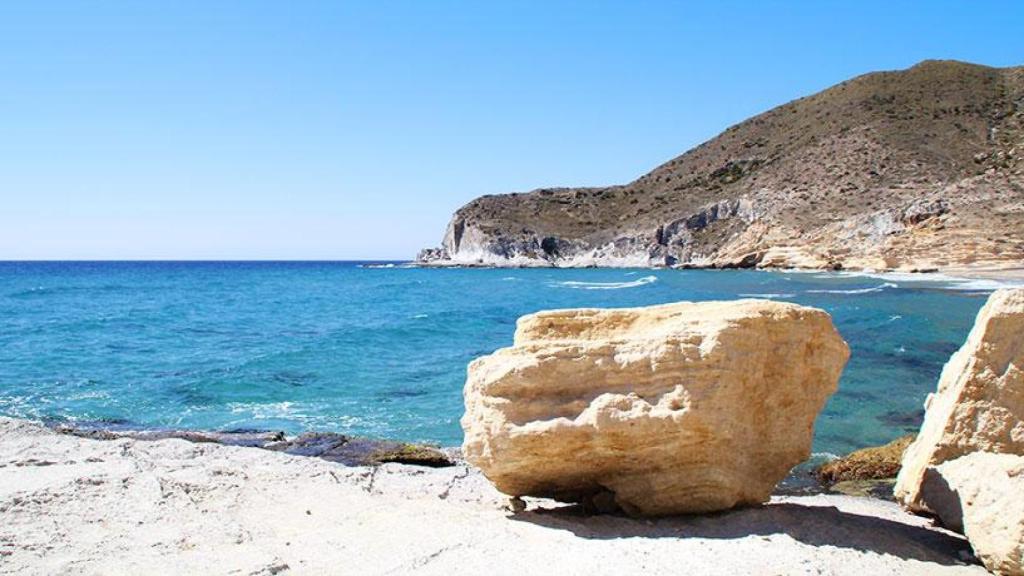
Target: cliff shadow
{"type": "Point", "coordinates": [809, 524]}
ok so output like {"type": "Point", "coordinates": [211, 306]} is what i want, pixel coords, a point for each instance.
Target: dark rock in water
{"type": "Point", "coordinates": [802, 480]}
{"type": "Point", "coordinates": [877, 463]}
{"type": "Point", "coordinates": [910, 421]}
{"type": "Point", "coordinates": [251, 438]}
{"type": "Point", "coordinates": [354, 451]}
{"type": "Point", "coordinates": [340, 448]}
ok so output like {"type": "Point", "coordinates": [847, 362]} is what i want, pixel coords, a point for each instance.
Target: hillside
{"type": "Point", "coordinates": [914, 169]}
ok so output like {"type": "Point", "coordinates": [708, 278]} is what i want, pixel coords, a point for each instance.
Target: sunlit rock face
{"type": "Point", "coordinates": [967, 464]}
{"type": "Point", "coordinates": [680, 408]}
{"type": "Point", "coordinates": [979, 404]}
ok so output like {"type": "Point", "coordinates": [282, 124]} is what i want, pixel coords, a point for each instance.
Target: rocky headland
{"type": "Point", "coordinates": [912, 170]}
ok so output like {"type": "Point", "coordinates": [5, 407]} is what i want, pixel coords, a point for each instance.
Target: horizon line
{"type": "Point", "coordinates": [200, 260]}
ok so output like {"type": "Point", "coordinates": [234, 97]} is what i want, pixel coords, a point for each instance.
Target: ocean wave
{"type": "Point", "coordinates": [878, 288]}
{"type": "Point", "coordinates": [937, 280]}
{"type": "Point", "coordinates": [606, 285]}
{"type": "Point", "coordinates": [768, 295]}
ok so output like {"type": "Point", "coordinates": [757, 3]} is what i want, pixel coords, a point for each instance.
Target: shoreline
{"type": "Point", "coordinates": [81, 505]}
{"type": "Point", "coordinates": [351, 450]}
{"type": "Point", "coordinates": [1009, 274]}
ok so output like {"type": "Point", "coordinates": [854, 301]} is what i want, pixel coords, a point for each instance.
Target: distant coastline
{"type": "Point", "coordinates": [911, 170]}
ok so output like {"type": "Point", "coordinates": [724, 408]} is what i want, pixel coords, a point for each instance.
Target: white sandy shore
{"type": "Point", "coordinates": [75, 506]}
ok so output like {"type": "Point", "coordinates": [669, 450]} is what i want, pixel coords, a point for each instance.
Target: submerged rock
{"type": "Point", "coordinates": [680, 408]}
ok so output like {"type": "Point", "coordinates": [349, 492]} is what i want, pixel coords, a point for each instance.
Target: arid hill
{"type": "Point", "coordinates": [915, 169]}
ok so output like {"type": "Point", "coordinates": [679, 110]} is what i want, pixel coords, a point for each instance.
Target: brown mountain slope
{"type": "Point", "coordinates": [920, 168]}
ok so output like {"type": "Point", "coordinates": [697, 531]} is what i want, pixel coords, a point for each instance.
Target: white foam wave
{"type": "Point", "coordinates": [937, 280]}
{"type": "Point", "coordinates": [768, 295]}
{"type": "Point", "coordinates": [878, 288]}
{"type": "Point", "coordinates": [606, 285]}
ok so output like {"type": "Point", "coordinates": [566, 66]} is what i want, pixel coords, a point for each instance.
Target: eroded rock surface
{"type": "Point", "coordinates": [982, 495]}
{"type": "Point", "coordinates": [979, 405]}
{"type": "Point", "coordinates": [967, 464]}
{"type": "Point", "coordinates": [680, 408]}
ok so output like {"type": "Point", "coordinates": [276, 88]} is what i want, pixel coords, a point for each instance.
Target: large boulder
{"type": "Point", "coordinates": [680, 408]}
{"type": "Point", "coordinates": [982, 495]}
{"type": "Point", "coordinates": [979, 405]}
{"type": "Point", "coordinates": [967, 464]}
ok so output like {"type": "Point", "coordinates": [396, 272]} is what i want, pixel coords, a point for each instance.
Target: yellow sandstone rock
{"type": "Point", "coordinates": [680, 408]}
{"type": "Point", "coordinates": [979, 405]}
{"type": "Point", "coordinates": [967, 464]}
{"type": "Point", "coordinates": [982, 495]}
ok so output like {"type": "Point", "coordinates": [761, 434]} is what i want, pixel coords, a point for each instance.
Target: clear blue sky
{"type": "Point", "coordinates": [334, 130]}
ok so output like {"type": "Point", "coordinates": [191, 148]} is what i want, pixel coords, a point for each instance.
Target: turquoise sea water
{"type": "Point", "coordinates": [382, 351]}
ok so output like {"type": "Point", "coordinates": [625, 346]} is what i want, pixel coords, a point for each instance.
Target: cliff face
{"type": "Point", "coordinates": [920, 168]}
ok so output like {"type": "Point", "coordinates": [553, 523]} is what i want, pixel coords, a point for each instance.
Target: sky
{"type": "Point", "coordinates": [352, 130]}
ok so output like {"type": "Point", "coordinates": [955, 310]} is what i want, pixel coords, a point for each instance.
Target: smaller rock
{"type": "Point", "coordinates": [429, 255]}
{"type": "Point", "coordinates": [875, 463]}
{"type": "Point", "coordinates": [878, 488]}
{"type": "Point", "coordinates": [982, 495]}
{"type": "Point", "coordinates": [354, 451]}
{"type": "Point", "coordinates": [517, 504]}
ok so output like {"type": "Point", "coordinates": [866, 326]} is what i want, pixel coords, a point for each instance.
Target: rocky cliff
{"type": "Point", "coordinates": [914, 169]}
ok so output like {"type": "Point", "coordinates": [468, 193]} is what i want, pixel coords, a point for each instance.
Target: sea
{"type": "Point", "coordinates": [380, 349]}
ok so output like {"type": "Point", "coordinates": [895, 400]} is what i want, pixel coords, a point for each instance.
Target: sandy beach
{"type": "Point", "coordinates": [78, 506]}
